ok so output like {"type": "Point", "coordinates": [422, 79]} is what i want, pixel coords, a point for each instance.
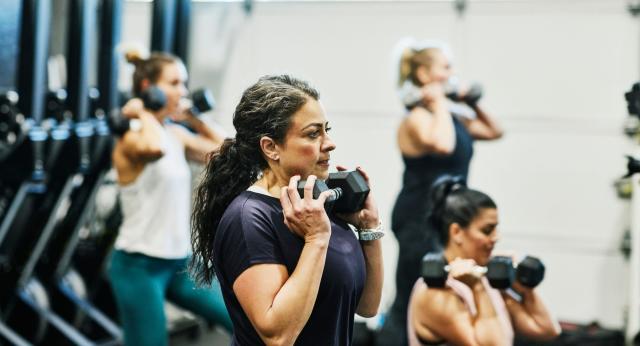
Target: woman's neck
{"type": "Point", "coordinates": [159, 117]}
{"type": "Point", "coordinates": [271, 182]}
{"type": "Point", "coordinates": [452, 252]}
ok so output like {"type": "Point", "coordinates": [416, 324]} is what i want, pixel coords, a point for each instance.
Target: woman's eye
{"type": "Point", "coordinates": [314, 134]}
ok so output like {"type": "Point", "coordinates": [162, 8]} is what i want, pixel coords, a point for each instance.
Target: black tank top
{"type": "Point", "coordinates": [420, 173]}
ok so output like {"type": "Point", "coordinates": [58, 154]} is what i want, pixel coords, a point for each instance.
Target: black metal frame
{"type": "Point", "coordinates": [163, 25]}
{"type": "Point", "coordinates": [183, 24]}
{"type": "Point", "coordinates": [34, 49]}
{"type": "Point", "coordinates": [108, 57]}
{"type": "Point", "coordinates": [170, 28]}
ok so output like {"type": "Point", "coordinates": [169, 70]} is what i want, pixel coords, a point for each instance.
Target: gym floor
{"type": "Point", "coordinates": [208, 337]}
{"type": "Point", "coordinates": [191, 331]}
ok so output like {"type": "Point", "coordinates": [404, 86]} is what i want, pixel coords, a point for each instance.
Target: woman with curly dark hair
{"type": "Point", "coordinates": [289, 273]}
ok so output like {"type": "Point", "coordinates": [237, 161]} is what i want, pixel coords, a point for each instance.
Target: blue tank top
{"type": "Point", "coordinates": [420, 173]}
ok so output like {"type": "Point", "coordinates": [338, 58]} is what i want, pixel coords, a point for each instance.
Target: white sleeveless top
{"type": "Point", "coordinates": [156, 206]}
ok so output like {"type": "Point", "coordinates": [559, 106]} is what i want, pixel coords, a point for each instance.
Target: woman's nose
{"type": "Point", "coordinates": [328, 144]}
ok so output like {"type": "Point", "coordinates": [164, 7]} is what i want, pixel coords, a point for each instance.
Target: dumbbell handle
{"type": "Point", "coordinates": [335, 195]}
{"type": "Point", "coordinates": [477, 270]}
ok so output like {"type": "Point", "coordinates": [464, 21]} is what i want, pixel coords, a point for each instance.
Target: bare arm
{"type": "Point", "coordinates": [372, 292]}
{"type": "Point", "coordinates": [279, 305]}
{"type": "Point", "coordinates": [431, 131]}
{"type": "Point", "coordinates": [441, 313]}
{"type": "Point", "coordinates": [144, 145]}
{"type": "Point", "coordinates": [484, 127]}
{"type": "Point", "coordinates": [199, 145]}
{"type": "Point", "coordinates": [531, 317]}
{"type": "Point", "coordinates": [368, 218]}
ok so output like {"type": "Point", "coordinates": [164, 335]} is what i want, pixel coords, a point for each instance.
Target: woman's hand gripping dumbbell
{"type": "Point", "coordinates": [500, 271]}
{"type": "Point", "coordinates": [350, 192]}
{"type": "Point", "coordinates": [153, 99]}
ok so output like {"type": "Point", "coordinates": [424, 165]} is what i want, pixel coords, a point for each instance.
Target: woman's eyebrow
{"type": "Point", "coordinates": [313, 124]}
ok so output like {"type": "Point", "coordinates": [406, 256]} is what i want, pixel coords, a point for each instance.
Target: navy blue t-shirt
{"type": "Point", "coordinates": [252, 231]}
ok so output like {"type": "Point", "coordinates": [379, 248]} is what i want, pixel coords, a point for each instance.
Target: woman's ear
{"type": "Point", "coordinates": [144, 84]}
{"type": "Point", "coordinates": [422, 74]}
{"type": "Point", "coordinates": [269, 148]}
{"type": "Point", "coordinates": [456, 233]}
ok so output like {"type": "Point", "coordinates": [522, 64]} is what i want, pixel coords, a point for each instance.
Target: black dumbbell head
{"type": "Point", "coordinates": [530, 271]}
{"type": "Point", "coordinates": [118, 125]}
{"type": "Point", "coordinates": [354, 190]}
{"type": "Point", "coordinates": [433, 269]}
{"type": "Point", "coordinates": [473, 95]}
{"type": "Point", "coordinates": [203, 100]}
{"type": "Point", "coordinates": [633, 99]}
{"type": "Point", "coordinates": [153, 98]}
{"type": "Point", "coordinates": [500, 272]}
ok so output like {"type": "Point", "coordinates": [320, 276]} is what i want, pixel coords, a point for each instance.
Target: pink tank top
{"type": "Point", "coordinates": [464, 292]}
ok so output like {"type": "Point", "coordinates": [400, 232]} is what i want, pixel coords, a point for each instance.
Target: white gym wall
{"type": "Point", "coordinates": [554, 73]}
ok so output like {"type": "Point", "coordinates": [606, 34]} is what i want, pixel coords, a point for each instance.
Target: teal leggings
{"type": "Point", "coordinates": [140, 284]}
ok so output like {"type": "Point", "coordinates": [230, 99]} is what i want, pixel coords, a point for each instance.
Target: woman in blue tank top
{"type": "Point", "coordinates": [433, 141]}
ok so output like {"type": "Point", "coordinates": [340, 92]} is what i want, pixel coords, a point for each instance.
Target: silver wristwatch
{"type": "Point", "coordinates": [369, 234]}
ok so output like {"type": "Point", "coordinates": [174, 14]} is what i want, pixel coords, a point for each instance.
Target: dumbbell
{"type": "Point", "coordinates": [412, 95]}
{"type": "Point", "coordinates": [435, 270]}
{"type": "Point", "coordinates": [471, 97]}
{"type": "Point", "coordinates": [318, 188]}
{"type": "Point", "coordinates": [500, 271]}
{"type": "Point", "coordinates": [633, 99]}
{"type": "Point", "coordinates": [153, 99]}
{"type": "Point", "coordinates": [530, 271]}
{"type": "Point", "coordinates": [350, 190]}
{"type": "Point", "coordinates": [202, 101]}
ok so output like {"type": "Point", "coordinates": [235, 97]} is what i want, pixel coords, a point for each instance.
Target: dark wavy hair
{"type": "Point", "coordinates": [453, 202]}
{"type": "Point", "coordinates": [265, 109]}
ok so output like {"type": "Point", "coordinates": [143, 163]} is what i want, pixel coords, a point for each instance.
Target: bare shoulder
{"type": "Point", "coordinates": [177, 129]}
{"type": "Point", "coordinates": [438, 302]}
{"type": "Point", "coordinates": [438, 312]}
{"type": "Point", "coordinates": [418, 114]}
{"type": "Point", "coordinates": [418, 117]}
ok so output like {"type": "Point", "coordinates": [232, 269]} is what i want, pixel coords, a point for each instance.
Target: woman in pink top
{"type": "Point", "coordinates": [468, 311]}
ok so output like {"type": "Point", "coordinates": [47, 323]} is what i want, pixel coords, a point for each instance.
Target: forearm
{"type": "Point", "coordinates": [293, 304]}
{"type": "Point", "coordinates": [205, 131]}
{"type": "Point", "coordinates": [487, 326]}
{"type": "Point", "coordinates": [150, 135]}
{"type": "Point", "coordinates": [488, 121]}
{"type": "Point", "coordinates": [372, 292]}
{"type": "Point", "coordinates": [535, 307]}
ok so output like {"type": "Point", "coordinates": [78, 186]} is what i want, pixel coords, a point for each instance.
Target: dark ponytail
{"type": "Point", "coordinates": [453, 202]}
{"type": "Point", "coordinates": [265, 109]}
